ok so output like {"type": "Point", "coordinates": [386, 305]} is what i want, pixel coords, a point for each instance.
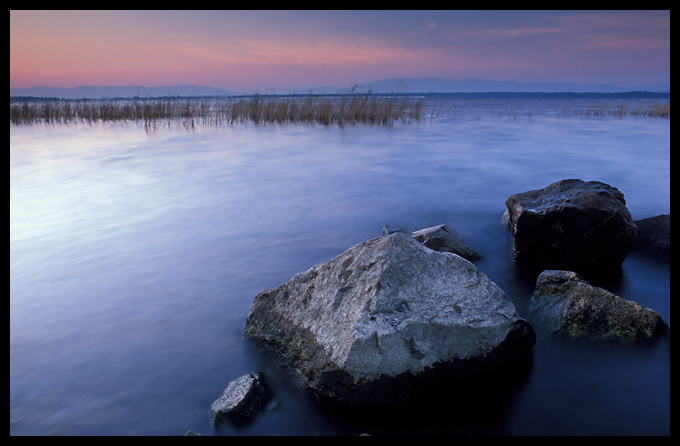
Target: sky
{"type": "Point", "coordinates": [281, 51]}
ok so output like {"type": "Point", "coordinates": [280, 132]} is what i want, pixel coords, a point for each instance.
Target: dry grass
{"type": "Point", "coordinates": [642, 109]}
{"type": "Point", "coordinates": [340, 110]}
{"type": "Point", "coordinates": [262, 110]}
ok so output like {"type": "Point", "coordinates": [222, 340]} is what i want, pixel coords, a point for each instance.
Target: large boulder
{"type": "Point", "coordinates": [386, 319]}
{"type": "Point", "coordinates": [654, 237]}
{"type": "Point", "coordinates": [572, 225]}
{"type": "Point", "coordinates": [564, 304]}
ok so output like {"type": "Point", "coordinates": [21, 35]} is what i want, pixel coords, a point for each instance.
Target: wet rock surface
{"type": "Point", "coordinates": [654, 237]}
{"type": "Point", "coordinates": [566, 305]}
{"type": "Point", "coordinates": [243, 400]}
{"type": "Point", "coordinates": [572, 225]}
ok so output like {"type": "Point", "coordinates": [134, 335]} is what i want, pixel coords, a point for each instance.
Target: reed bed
{"type": "Point", "coordinates": [340, 110]}
{"type": "Point", "coordinates": [641, 109]}
{"type": "Point", "coordinates": [262, 110]}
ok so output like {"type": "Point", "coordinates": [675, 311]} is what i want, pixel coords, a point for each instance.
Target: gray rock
{"type": "Point", "coordinates": [654, 237]}
{"type": "Point", "coordinates": [385, 318]}
{"type": "Point", "coordinates": [565, 304]}
{"type": "Point", "coordinates": [244, 398]}
{"type": "Point", "coordinates": [387, 229]}
{"type": "Point", "coordinates": [444, 239]}
{"type": "Point", "coordinates": [572, 225]}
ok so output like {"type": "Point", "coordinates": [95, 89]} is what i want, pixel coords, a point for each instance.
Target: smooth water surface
{"type": "Point", "coordinates": [135, 255]}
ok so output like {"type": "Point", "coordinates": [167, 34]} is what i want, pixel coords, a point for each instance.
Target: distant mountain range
{"type": "Point", "coordinates": [118, 92]}
{"type": "Point", "coordinates": [474, 85]}
{"type": "Point", "coordinates": [394, 85]}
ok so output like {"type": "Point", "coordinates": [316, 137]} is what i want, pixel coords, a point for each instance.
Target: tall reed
{"type": "Point", "coordinates": [641, 109]}
{"type": "Point", "coordinates": [324, 110]}
{"type": "Point", "coordinates": [262, 110]}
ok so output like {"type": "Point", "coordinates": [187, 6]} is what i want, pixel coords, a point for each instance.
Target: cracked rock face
{"type": "Point", "coordinates": [571, 225]}
{"type": "Point", "coordinates": [385, 316]}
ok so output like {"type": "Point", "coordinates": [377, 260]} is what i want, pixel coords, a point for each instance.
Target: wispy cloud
{"type": "Point", "coordinates": [502, 34]}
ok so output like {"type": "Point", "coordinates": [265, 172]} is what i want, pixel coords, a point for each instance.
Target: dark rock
{"type": "Point", "coordinates": [385, 319]}
{"type": "Point", "coordinates": [565, 304]}
{"type": "Point", "coordinates": [244, 398]}
{"type": "Point", "coordinates": [654, 237]}
{"type": "Point", "coordinates": [571, 225]}
{"type": "Point", "coordinates": [444, 239]}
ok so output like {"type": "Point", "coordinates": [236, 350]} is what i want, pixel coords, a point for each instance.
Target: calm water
{"type": "Point", "coordinates": [135, 257]}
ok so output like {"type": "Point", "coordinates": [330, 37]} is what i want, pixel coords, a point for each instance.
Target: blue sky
{"type": "Point", "coordinates": [288, 50]}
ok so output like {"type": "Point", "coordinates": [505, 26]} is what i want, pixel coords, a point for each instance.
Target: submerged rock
{"type": "Point", "coordinates": [572, 225]}
{"type": "Point", "coordinates": [243, 399]}
{"type": "Point", "coordinates": [386, 319]}
{"type": "Point", "coordinates": [654, 237]}
{"type": "Point", "coordinates": [565, 304]}
{"type": "Point", "coordinates": [444, 239]}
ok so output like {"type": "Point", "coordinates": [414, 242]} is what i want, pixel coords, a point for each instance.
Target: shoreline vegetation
{"type": "Point", "coordinates": [191, 112]}
{"type": "Point", "coordinates": [642, 109]}
{"type": "Point", "coordinates": [341, 110]}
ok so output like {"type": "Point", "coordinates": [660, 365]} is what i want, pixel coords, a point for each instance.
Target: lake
{"type": "Point", "coordinates": [135, 255]}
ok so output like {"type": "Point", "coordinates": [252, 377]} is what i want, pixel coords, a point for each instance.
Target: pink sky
{"type": "Point", "coordinates": [249, 51]}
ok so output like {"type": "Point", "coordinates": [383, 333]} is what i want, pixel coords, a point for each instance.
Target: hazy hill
{"type": "Point", "coordinates": [474, 85]}
{"type": "Point", "coordinates": [118, 92]}
{"type": "Point", "coordinates": [394, 85]}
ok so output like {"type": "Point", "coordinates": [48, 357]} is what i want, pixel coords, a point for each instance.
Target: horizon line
{"type": "Point", "coordinates": [632, 94]}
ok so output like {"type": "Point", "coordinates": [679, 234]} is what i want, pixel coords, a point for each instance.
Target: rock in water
{"type": "Point", "coordinates": [571, 225]}
{"type": "Point", "coordinates": [385, 317]}
{"type": "Point", "coordinates": [565, 304]}
{"type": "Point", "coordinates": [244, 398]}
{"type": "Point", "coordinates": [444, 239]}
{"type": "Point", "coordinates": [387, 229]}
{"type": "Point", "coordinates": [654, 237]}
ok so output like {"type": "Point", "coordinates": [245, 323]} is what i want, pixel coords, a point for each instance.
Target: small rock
{"type": "Point", "coordinates": [654, 237]}
{"type": "Point", "coordinates": [565, 304]}
{"type": "Point", "coordinates": [444, 239]}
{"type": "Point", "coordinates": [191, 433]}
{"type": "Point", "coordinates": [387, 229]}
{"type": "Point", "coordinates": [244, 397]}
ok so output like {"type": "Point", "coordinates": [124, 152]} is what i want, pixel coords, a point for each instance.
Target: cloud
{"type": "Point", "coordinates": [322, 51]}
{"type": "Point", "coordinates": [519, 32]}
